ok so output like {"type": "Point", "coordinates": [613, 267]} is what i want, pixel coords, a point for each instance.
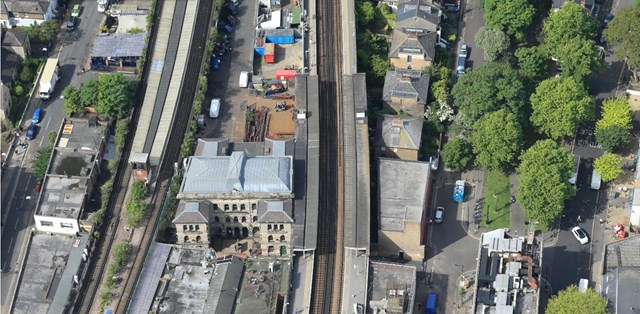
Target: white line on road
{"type": "Point", "coordinates": [15, 227]}
{"type": "Point", "coordinates": [41, 141]}
{"type": "Point", "coordinates": [10, 245]}
{"type": "Point", "coordinates": [48, 121]}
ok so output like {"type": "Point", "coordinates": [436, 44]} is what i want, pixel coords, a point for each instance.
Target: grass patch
{"type": "Point", "coordinates": [497, 201]}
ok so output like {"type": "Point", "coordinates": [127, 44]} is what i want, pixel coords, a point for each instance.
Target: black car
{"type": "Point", "coordinates": [71, 23]}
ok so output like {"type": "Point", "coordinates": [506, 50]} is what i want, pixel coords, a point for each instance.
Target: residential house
{"type": "Point", "coordinates": [412, 50]}
{"type": "Point", "coordinates": [404, 190]}
{"type": "Point", "coordinates": [399, 137]}
{"type": "Point", "coordinates": [17, 42]}
{"type": "Point", "coordinates": [71, 175]}
{"type": "Point", "coordinates": [249, 190]}
{"type": "Point", "coordinates": [10, 66]}
{"type": "Point", "coordinates": [418, 17]}
{"type": "Point", "coordinates": [26, 12]}
{"type": "Point", "coordinates": [406, 91]}
{"type": "Point", "coordinates": [621, 274]}
{"type": "Point", "coordinates": [192, 223]}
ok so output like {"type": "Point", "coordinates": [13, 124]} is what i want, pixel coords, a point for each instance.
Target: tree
{"type": "Point", "coordinates": [18, 90]}
{"type": "Point", "coordinates": [43, 32]}
{"type": "Point", "coordinates": [579, 58]}
{"type": "Point", "coordinates": [379, 66]}
{"type": "Point", "coordinates": [457, 154]}
{"type": "Point", "coordinates": [496, 140]}
{"type": "Point", "coordinates": [26, 75]}
{"type": "Point", "coordinates": [89, 93]}
{"type": "Point", "coordinates": [122, 130]}
{"type": "Point", "coordinates": [545, 169]}
{"type": "Point", "coordinates": [494, 42]}
{"type": "Point", "coordinates": [365, 12]}
{"type": "Point", "coordinates": [622, 34]}
{"type": "Point", "coordinates": [135, 211]}
{"type": "Point", "coordinates": [489, 88]}
{"type": "Point", "coordinates": [513, 17]}
{"type": "Point", "coordinates": [615, 111]}
{"type": "Point", "coordinates": [114, 96]}
{"type": "Point", "coordinates": [532, 62]}
{"type": "Point", "coordinates": [612, 137]}
{"type": "Point", "coordinates": [71, 100]}
{"type": "Point", "coordinates": [570, 300]}
{"type": "Point", "coordinates": [609, 165]}
{"type": "Point", "coordinates": [570, 22]}
{"type": "Point", "coordinates": [139, 190]}
{"type": "Point", "coordinates": [559, 106]}
{"type": "Point", "coordinates": [41, 162]}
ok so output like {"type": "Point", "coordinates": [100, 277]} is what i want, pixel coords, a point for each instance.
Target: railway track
{"type": "Point", "coordinates": [326, 293]}
{"type": "Point", "coordinates": [98, 263]}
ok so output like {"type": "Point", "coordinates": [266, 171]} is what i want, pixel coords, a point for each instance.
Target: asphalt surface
{"type": "Point", "coordinates": [18, 183]}
{"type": "Point", "coordinates": [472, 21]}
{"type": "Point", "coordinates": [450, 250]}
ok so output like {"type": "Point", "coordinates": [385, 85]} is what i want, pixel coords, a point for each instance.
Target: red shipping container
{"type": "Point", "coordinates": [285, 74]}
{"type": "Point", "coordinates": [270, 53]}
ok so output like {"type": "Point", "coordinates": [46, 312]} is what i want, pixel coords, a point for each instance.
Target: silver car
{"type": "Point", "coordinates": [464, 51]}
{"type": "Point", "coordinates": [439, 214]}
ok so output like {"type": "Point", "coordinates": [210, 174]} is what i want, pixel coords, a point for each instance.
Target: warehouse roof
{"type": "Point", "coordinates": [119, 45]}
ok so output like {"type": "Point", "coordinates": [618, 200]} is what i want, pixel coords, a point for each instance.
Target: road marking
{"type": "Point", "coordinates": [10, 245]}
{"type": "Point", "coordinates": [41, 141]}
{"type": "Point", "coordinates": [15, 227]}
{"type": "Point", "coordinates": [48, 121]}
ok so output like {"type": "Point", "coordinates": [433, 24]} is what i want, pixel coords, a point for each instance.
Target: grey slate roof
{"type": "Point", "coordinates": [119, 45]}
{"type": "Point", "coordinates": [275, 211]}
{"type": "Point", "coordinates": [192, 212]}
{"type": "Point", "coordinates": [14, 38]}
{"type": "Point", "coordinates": [400, 132]}
{"type": "Point", "coordinates": [416, 15]}
{"type": "Point", "coordinates": [406, 84]}
{"type": "Point", "coordinates": [25, 7]}
{"type": "Point", "coordinates": [625, 253]}
{"type": "Point", "coordinates": [403, 192]}
{"type": "Point", "coordinates": [238, 172]}
{"type": "Point", "coordinates": [10, 63]}
{"type": "Point", "coordinates": [222, 293]}
{"type": "Point", "coordinates": [424, 45]}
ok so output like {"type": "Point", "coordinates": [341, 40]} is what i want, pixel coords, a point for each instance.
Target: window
{"type": "Point", "coordinates": [235, 207]}
{"type": "Point", "coordinates": [255, 218]}
{"type": "Point", "coordinates": [66, 225]}
{"type": "Point", "coordinates": [46, 223]}
{"type": "Point", "coordinates": [198, 239]}
{"type": "Point", "coordinates": [253, 206]}
{"type": "Point", "coordinates": [235, 219]}
{"type": "Point", "coordinates": [215, 207]}
{"type": "Point", "coordinates": [226, 207]}
{"type": "Point", "coordinates": [270, 238]}
{"type": "Point", "coordinates": [283, 238]}
{"type": "Point", "coordinates": [281, 227]}
{"type": "Point", "coordinates": [228, 219]}
{"type": "Point", "coordinates": [186, 239]}
{"type": "Point", "coordinates": [269, 227]}
{"type": "Point", "coordinates": [243, 207]}
{"type": "Point", "coordinates": [184, 227]}
{"type": "Point", "coordinates": [216, 219]}
{"type": "Point", "coordinates": [197, 227]}
{"type": "Point", "coordinates": [190, 227]}
{"type": "Point", "coordinates": [409, 59]}
{"type": "Point", "coordinates": [244, 219]}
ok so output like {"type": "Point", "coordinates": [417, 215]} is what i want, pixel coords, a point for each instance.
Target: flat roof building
{"type": "Point", "coordinates": [507, 274]}
{"type": "Point", "coordinates": [392, 287]}
{"type": "Point", "coordinates": [402, 215]}
{"type": "Point", "coordinates": [71, 174]}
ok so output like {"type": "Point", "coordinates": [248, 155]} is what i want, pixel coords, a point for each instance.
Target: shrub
{"type": "Point", "coordinates": [18, 90]}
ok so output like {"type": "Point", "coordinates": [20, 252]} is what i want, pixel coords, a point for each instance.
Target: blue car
{"type": "Point", "coordinates": [36, 115]}
{"type": "Point", "coordinates": [31, 132]}
{"type": "Point", "coordinates": [215, 63]}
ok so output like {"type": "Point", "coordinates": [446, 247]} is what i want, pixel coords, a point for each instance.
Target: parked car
{"type": "Point", "coordinates": [225, 27]}
{"type": "Point", "coordinates": [439, 214]}
{"type": "Point", "coordinates": [36, 115]}
{"type": "Point", "coordinates": [71, 23]}
{"type": "Point", "coordinates": [215, 63]}
{"type": "Point", "coordinates": [607, 19]}
{"type": "Point", "coordinates": [214, 110]}
{"type": "Point", "coordinates": [464, 50]}
{"type": "Point", "coordinates": [31, 132]}
{"type": "Point", "coordinates": [458, 191]}
{"type": "Point", "coordinates": [75, 12]}
{"type": "Point", "coordinates": [461, 66]}
{"type": "Point", "coordinates": [580, 235]}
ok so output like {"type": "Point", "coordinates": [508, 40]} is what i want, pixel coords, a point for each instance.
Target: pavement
{"type": "Point", "coordinates": [18, 183]}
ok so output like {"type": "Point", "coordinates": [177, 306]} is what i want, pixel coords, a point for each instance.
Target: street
{"type": "Point", "coordinates": [473, 20]}
{"type": "Point", "coordinates": [18, 183]}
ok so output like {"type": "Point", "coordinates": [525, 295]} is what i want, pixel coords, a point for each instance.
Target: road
{"type": "Point", "coordinates": [472, 21]}
{"type": "Point", "coordinates": [450, 250]}
{"type": "Point", "coordinates": [18, 183]}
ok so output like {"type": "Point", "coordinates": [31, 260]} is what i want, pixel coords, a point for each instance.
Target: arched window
{"type": "Point", "coordinates": [244, 219]}
{"type": "Point", "coordinates": [215, 207]}
{"type": "Point", "coordinates": [235, 207]}
{"type": "Point", "coordinates": [255, 218]}
{"type": "Point", "coordinates": [226, 207]}
{"type": "Point", "coordinates": [270, 238]}
{"type": "Point", "coordinates": [269, 227]}
{"type": "Point", "coordinates": [186, 239]}
{"type": "Point", "coordinates": [197, 227]}
{"type": "Point", "coordinates": [282, 238]}
{"type": "Point", "coordinates": [235, 219]}
{"type": "Point", "coordinates": [281, 227]}
{"type": "Point", "coordinates": [228, 219]}
{"type": "Point", "coordinates": [198, 239]}
{"type": "Point", "coordinates": [216, 219]}
{"type": "Point", "coordinates": [243, 207]}
{"type": "Point", "coordinates": [184, 227]}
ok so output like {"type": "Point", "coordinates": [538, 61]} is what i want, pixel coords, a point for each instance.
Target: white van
{"type": "Point", "coordinates": [583, 285]}
{"type": "Point", "coordinates": [214, 110]}
{"type": "Point", "coordinates": [244, 79]}
{"type": "Point", "coordinates": [596, 180]}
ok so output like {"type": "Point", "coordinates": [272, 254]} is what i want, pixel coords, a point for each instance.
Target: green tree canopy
{"type": "Point", "coordinates": [497, 140]}
{"type": "Point", "coordinates": [457, 154]}
{"type": "Point", "coordinates": [494, 42]}
{"type": "Point", "coordinates": [379, 66]}
{"type": "Point", "coordinates": [579, 57]}
{"type": "Point", "coordinates": [615, 111]}
{"type": "Point", "coordinates": [365, 12]}
{"type": "Point", "coordinates": [559, 106]}
{"type": "Point", "coordinates": [612, 137]}
{"type": "Point", "coordinates": [570, 300]}
{"type": "Point", "coordinates": [609, 165]}
{"type": "Point", "coordinates": [533, 62]}
{"type": "Point", "coordinates": [545, 169]}
{"type": "Point", "coordinates": [71, 100]}
{"type": "Point", "coordinates": [43, 32]}
{"type": "Point", "coordinates": [570, 22]}
{"type": "Point", "coordinates": [89, 93]}
{"type": "Point", "coordinates": [489, 88]}
{"type": "Point", "coordinates": [513, 17]}
{"type": "Point", "coordinates": [623, 35]}
{"type": "Point", "coordinates": [41, 162]}
{"type": "Point", "coordinates": [114, 96]}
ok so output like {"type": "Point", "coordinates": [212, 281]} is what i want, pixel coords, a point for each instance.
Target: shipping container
{"type": "Point", "coordinates": [270, 53]}
{"type": "Point", "coordinates": [280, 36]}
{"type": "Point", "coordinates": [285, 74]}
